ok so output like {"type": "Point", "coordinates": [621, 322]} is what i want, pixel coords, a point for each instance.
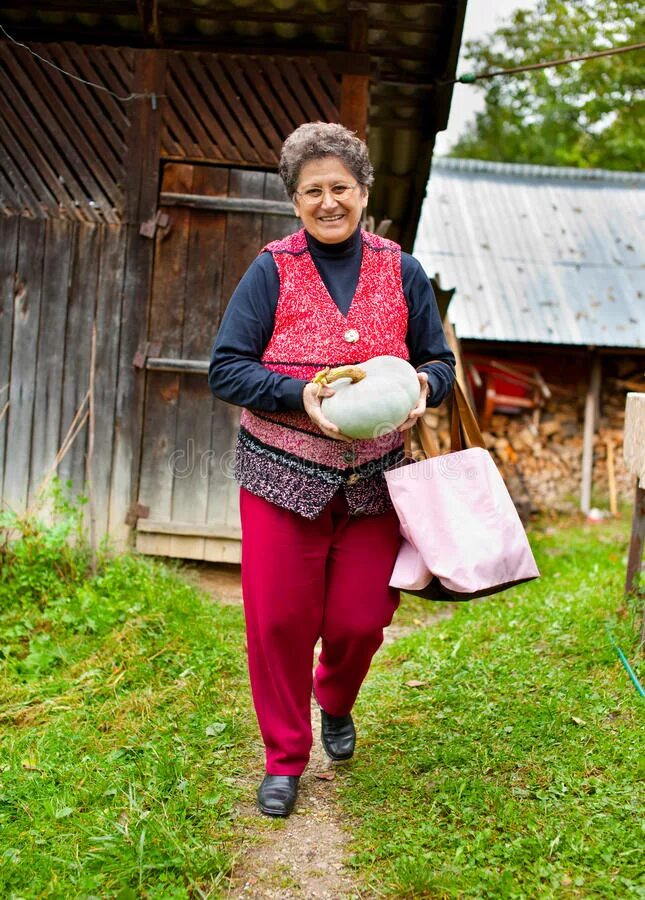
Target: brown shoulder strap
{"type": "Point", "coordinates": [469, 425]}
{"type": "Point", "coordinates": [464, 429]}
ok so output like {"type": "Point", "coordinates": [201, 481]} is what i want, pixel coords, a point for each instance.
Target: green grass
{"type": "Point", "coordinates": [124, 723]}
{"type": "Point", "coordinates": [513, 770]}
{"type": "Point", "coordinates": [126, 734]}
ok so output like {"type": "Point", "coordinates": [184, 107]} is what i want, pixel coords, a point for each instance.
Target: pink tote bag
{"type": "Point", "coordinates": [462, 536]}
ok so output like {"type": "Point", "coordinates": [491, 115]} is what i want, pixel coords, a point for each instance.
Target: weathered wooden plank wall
{"type": "Point", "coordinates": [57, 277]}
{"type": "Point", "coordinates": [62, 260]}
{"type": "Point", "coordinates": [50, 363]}
{"type": "Point", "coordinates": [24, 355]}
{"type": "Point", "coordinates": [63, 143]}
{"type": "Point", "coordinates": [109, 323]}
{"type": "Point", "coordinates": [186, 475]}
{"type": "Point", "coordinates": [195, 419]}
{"type": "Point", "coordinates": [165, 332]}
{"type": "Point", "coordinates": [79, 175]}
{"type": "Point", "coordinates": [81, 301]}
{"type": "Point", "coordinates": [8, 263]}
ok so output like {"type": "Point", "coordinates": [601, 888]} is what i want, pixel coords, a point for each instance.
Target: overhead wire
{"type": "Point", "coordinates": [472, 77]}
{"type": "Point", "coordinates": [99, 87]}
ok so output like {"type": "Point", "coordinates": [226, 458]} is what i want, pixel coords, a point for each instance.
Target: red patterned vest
{"type": "Point", "coordinates": [284, 457]}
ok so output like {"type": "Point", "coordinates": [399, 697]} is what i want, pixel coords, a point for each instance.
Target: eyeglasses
{"type": "Point", "coordinates": [314, 195]}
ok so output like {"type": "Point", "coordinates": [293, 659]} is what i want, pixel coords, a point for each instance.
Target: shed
{"type": "Point", "coordinates": [548, 266]}
{"type": "Point", "coordinates": [138, 149]}
{"type": "Point", "coordinates": [538, 254]}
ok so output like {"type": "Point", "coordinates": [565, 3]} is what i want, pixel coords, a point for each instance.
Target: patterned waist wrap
{"type": "Point", "coordinates": [284, 457]}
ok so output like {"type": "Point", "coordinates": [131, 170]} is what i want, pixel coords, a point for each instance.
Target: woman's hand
{"type": "Point", "coordinates": [312, 396]}
{"type": "Point", "coordinates": [420, 408]}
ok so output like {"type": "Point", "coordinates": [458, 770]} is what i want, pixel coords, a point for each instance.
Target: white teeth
{"type": "Point", "coordinates": [330, 218]}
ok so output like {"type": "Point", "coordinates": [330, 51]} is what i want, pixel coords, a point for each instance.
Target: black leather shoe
{"type": "Point", "coordinates": [277, 794]}
{"type": "Point", "coordinates": [338, 736]}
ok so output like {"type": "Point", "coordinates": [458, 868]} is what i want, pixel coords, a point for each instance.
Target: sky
{"type": "Point", "coordinates": [482, 17]}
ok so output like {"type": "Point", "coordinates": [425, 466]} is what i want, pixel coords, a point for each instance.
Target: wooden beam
{"type": "Point", "coordinates": [354, 92]}
{"type": "Point", "coordinates": [343, 63]}
{"type": "Point", "coordinates": [149, 16]}
{"type": "Point", "coordinates": [460, 370]}
{"type": "Point", "coordinates": [185, 546]}
{"type": "Point", "coordinates": [237, 14]}
{"type": "Point", "coordinates": [141, 193]}
{"type": "Point", "coordinates": [188, 528]}
{"type": "Point", "coordinates": [591, 407]}
{"type": "Point", "coordinates": [185, 366]}
{"type": "Point", "coordinates": [354, 89]}
{"type": "Point", "coordinates": [634, 456]}
{"type": "Point", "coordinates": [442, 295]}
{"type": "Point", "coordinates": [635, 557]}
{"type": "Point", "coordinates": [228, 204]}
{"type": "Point", "coordinates": [446, 69]}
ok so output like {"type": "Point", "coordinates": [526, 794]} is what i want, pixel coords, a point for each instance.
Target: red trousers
{"type": "Point", "coordinates": [304, 579]}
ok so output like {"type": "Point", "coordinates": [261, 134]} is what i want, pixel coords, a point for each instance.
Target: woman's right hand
{"type": "Point", "coordinates": [312, 395]}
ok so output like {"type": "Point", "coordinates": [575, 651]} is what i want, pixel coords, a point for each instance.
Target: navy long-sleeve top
{"type": "Point", "coordinates": [236, 373]}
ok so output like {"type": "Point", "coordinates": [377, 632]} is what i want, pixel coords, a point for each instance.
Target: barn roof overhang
{"type": "Point", "coordinates": [407, 51]}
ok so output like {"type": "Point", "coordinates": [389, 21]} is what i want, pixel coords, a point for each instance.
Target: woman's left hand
{"type": "Point", "coordinates": [420, 408]}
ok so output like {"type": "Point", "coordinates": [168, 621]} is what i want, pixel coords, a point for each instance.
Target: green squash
{"type": "Point", "coordinates": [372, 398]}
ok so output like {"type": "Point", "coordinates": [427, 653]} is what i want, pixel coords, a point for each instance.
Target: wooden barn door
{"type": "Point", "coordinates": [212, 222]}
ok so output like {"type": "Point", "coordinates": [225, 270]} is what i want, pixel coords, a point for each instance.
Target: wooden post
{"type": "Point", "coordinates": [354, 89]}
{"type": "Point", "coordinates": [635, 557]}
{"type": "Point", "coordinates": [141, 194]}
{"type": "Point", "coordinates": [611, 478]}
{"type": "Point", "coordinates": [455, 345]}
{"type": "Point", "coordinates": [89, 462]}
{"type": "Point", "coordinates": [591, 406]}
{"type": "Point", "coordinates": [634, 454]}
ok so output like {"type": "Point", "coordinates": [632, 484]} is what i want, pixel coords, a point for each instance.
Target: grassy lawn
{"type": "Point", "coordinates": [124, 721]}
{"type": "Point", "coordinates": [500, 750]}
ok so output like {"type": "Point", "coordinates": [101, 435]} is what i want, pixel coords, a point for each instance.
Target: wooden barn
{"type": "Point", "coordinates": [138, 151]}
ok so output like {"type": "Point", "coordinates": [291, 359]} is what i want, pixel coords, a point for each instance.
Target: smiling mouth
{"type": "Point", "coordinates": [331, 218]}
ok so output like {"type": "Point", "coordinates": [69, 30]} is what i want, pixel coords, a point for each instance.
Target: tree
{"type": "Point", "coordinates": [589, 114]}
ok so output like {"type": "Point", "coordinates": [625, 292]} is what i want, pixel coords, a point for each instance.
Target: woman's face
{"type": "Point", "coordinates": [327, 217]}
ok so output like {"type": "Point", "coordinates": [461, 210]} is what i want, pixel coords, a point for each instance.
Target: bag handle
{"type": "Point", "coordinates": [463, 421]}
{"type": "Point", "coordinates": [425, 437]}
{"type": "Point", "coordinates": [464, 428]}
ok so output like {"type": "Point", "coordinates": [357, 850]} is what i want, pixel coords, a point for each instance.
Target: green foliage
{"type": "Point", "coordinates": [501, 750]}
{"type": "Point", "coordinates": [38, 559]}
{"type": "Point", "coordinates": [589, 114]}
{"type": "Point", "coordinates": [124, 723]}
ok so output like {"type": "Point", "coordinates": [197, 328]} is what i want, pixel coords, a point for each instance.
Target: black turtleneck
{"type": "Point", "coordinates": [236, 374]}
{"type": "Point", "coordinates": [339, 266]}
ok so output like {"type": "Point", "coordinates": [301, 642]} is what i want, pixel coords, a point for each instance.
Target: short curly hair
{"type": "Point", "coordinates": [315, 140]}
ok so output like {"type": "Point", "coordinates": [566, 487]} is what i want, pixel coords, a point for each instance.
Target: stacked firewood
{"type": "Point", "coordinates": [540, 454]}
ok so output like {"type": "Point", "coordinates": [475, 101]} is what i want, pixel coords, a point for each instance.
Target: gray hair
{"type": "Point", "coordinates": [315, 140]}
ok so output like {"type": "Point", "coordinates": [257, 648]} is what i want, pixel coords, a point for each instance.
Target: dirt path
{"type": "Point", "coordinates": [302, 857]}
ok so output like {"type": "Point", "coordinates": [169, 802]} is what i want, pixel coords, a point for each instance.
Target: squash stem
{"type": "Point", "coordinates": [326, 376]}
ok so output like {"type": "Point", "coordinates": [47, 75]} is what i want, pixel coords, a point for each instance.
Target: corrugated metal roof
{"type": "Point", "coordinates": [538, 254]}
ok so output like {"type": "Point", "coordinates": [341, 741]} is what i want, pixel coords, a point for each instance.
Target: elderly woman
{"type": "Point", "coordinates": [319, 535]}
